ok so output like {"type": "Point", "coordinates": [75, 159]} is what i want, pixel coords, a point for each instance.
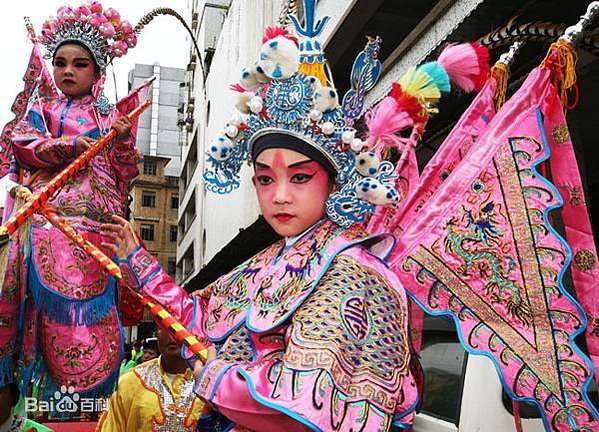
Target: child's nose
{"type": "Point", "coordinates": [281, 194]}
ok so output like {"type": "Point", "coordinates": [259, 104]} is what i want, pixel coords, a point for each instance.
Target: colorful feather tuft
{"type": "Point", "coordinates": [272, 32]}
{"type": "Point", "coordinates": [466, 64]}
{"type": "Point", "coordinates": [438, 75]}
{"type": "Point", "coordinates": [416, 82]}
{"type": "Point", "coordinates": [384, 122]}
{"type": "Point", "coordinates": [408, 103]}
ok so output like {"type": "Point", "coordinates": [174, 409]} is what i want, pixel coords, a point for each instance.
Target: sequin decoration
{"type": "Point", "coordinates": [175, 411]}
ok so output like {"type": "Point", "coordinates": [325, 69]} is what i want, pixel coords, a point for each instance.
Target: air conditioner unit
{"type": "Point", "coordinates": [194, 21]}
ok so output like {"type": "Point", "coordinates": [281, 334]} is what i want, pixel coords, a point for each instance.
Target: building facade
{"type": "Point", "coordinates": [155, 200]}
{"type": "Point", "coordinates": [158, 133]}
{"type": "Point", "coordinates": [155, 194]}
{"type": "Point", "coordinates": [463, 392]}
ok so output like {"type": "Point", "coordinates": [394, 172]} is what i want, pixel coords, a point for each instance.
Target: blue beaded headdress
{"type": "Point", "coordinates": [287, 92]}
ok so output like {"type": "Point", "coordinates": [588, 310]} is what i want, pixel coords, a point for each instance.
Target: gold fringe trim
{"type": "Point", "coordinates": [564, 66]}
{"type": "Point", "coordinates": [501, 73]}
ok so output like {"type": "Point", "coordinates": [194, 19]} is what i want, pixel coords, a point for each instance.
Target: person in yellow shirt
{"type": "Point", "coordinates": [154, 396]}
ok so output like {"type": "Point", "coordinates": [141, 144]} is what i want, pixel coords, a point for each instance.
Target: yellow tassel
{"type": "Point", "coordinates": [3, 263]}
{"type": "Point", "coordinates": [564, 65]}
{"type": "Point", "coordinates": [315, 69]}
{"type": "Point", "coordinates": [21, 195]}
{"type": "Point", "coordinates": [501, 73]}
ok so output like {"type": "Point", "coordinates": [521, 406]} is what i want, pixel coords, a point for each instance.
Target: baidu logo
{"type": "Point", "coordinates": [65, 401]}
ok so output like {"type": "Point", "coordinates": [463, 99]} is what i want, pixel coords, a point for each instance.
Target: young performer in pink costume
{"type": "Point", "coordinates": [311, 333]}
{"type": "Point", "coordinates": [64, 326]}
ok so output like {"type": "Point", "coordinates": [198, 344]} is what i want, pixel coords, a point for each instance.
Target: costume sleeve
{"type": "Point", "coordinates": [33, 149]}
{"type": "Point", "coordinates": [345, 365]}
{"type": "Point", "coordinates": [116, 417]}
{"type": "Point", "coordinates": [124, 157]}
{"type": "Point", "coordinates": [142, 271]}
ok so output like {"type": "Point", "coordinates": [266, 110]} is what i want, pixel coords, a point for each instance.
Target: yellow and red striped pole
{"type": "Point", "coordinates": [38, 200]}
{"type": "Point", "coordinates": [178, 330]}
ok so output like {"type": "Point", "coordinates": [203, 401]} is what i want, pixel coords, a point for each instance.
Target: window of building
{"type": "Point", "coordinates": [443, 363]}
{"type": "Point", "coordinates": [148, 199]}
{"type": "Point", "coordinates": [174, 202]}
{"type": "Point", "coordinates": [150, 167]}
{"type": "Point", "coordinates": [174, 233]}
{"type": "Point", "coordinates": [172, 266]}
{"type": "Point", "coordinates": [147, 232]}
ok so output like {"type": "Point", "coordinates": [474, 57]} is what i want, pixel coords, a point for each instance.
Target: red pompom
{"type": "Point", "coordinates": [272, 32]}
{"type": "Point", "coordinates": [466, 64]}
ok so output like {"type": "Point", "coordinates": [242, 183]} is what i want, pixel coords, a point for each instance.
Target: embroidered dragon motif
{"type": "Point", "coordinates": [477, 240]}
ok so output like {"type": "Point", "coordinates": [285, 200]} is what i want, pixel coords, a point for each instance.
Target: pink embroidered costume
{"type": "Point", "coordinates": [59, 312]}
{"type": "Point", "coordinates": [311, 335]}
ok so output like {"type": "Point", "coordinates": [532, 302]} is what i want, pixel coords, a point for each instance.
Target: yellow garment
{"type": "Point", "coordinates": [146, 401]}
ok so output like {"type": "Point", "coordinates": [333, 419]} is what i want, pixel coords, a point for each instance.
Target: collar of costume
{"type": "Point", "coordinates": [176, 401]}
{"type": "Point", "coordinates": [265, 290]}
{"type": "Point", "coordinates": [100, 30]}
{"type": "Point", "coordinates": [288, 93]}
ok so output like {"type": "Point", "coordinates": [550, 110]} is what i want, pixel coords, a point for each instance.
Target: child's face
{"type": "Point", "coordinates": [74, 70]}
{"type": "Point", "coordinates": [292, 190]}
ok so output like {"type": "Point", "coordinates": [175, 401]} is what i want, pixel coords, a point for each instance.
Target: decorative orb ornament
{"type": "Point", "coordinates": [325, 99]}
{"type": "Point", "coordinates": [348, 136]}
{"type": "Point", "coordinates": [367, 164]}
{"type": "Point", "coordinates": [373, 191]}
{"type": "Point", "coordinates": [256, 104]}
{"type": "Point", "coordinates": [221, 148]}
{"type": "Point", "coordinates": [356, 145]}
{"type": "Point", "coordinates": [231, 131]}
{"type": "Point", "coordinates": [243, 102]}
{"type": "Point", "coordinates": [328, 128]}
{"type": "Point", "coordinates": [315, 115]}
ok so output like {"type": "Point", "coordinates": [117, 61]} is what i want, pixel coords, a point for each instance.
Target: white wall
{"type": "Point", "coordinates": [238, 46]}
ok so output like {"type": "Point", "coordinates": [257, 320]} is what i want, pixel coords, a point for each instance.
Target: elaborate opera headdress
{"type": "Point", "coordinates": [100, 30]}
{"type": "Point", "coordinates": [288, 92]}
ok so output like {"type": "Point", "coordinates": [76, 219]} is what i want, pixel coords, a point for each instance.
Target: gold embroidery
{"type": "Point", "coordinates": [561, 134]}
{"type": "Point", "coordinates": [584, 260]}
